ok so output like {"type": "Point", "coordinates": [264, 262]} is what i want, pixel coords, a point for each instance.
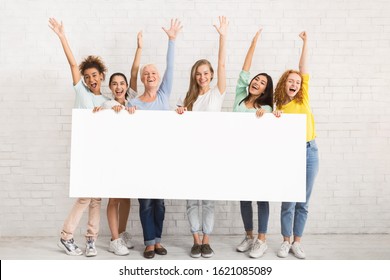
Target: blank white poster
{"type": "Point", "coordinates": [197, 155]}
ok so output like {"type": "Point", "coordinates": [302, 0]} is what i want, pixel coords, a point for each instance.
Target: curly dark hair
{"type": "Point", "coordinates": [93, 62]}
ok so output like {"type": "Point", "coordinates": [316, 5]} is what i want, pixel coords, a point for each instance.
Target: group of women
{"type": "Point", "coordinates": [254, 96]}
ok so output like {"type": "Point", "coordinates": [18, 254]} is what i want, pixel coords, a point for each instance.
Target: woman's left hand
{"type": "Point", "coordinates": [260, 112]}
{"type": "Point", "coordinates": [131, 110]}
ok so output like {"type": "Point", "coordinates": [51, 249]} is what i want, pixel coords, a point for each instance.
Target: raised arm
{"type": "Point", "coordinates": [136, 62]}
{"type": "Point", "coordinates": [248, 58]}
{"type": "Point", "coordinates": [172, 32]}
{"type": "Point", "coordinates": [303, 60]}
{"type": "Point", "coordinates": [221, 70]}
{"type": "Point", "coordinates": [59, 30]}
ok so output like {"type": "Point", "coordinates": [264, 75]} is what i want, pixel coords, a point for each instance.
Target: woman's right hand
{"type": "Point", "coordinates": [181, 110]}
{"type": "Point", "coordinates": [277, 113]}
{"type": "Point", "coordinates": [56, 27]}
{"type": "Point", "coordinates": [97, 109]}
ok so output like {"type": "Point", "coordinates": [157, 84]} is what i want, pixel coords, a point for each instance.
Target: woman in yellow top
{"type": "Point", "coordinates": [292, 96]}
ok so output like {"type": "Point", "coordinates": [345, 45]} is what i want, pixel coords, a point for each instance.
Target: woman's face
{"type": "Point", "coordinates": [93, 79]}
{"type": "Point", "coordinates": [258, 85]}
{"type": "Point", "coordinates": [203, 76]}
{"type": "Point", "coordinates": [118, 87]}
{"type": "Point", "coordinates": [150, 76]}
{"type": "Point", "coordinates": [293, 85]}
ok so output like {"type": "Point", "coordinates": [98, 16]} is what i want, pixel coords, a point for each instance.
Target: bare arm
{"type": "Point", "coordinates": [136, 62]}
{"type": "Point", "coordinates": [248, 59]}
{"type": "Point", "coordinates": [221, 70]}
{"type": "Point", "coordinates": [303, 60]}
{"type": "Point", "coordinates": [59, 30]}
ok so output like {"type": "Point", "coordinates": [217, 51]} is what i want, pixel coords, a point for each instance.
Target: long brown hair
{"type": "Point", "coordinates": [280, 95]}
{"type": "Point", "coordinates": [193, 89]}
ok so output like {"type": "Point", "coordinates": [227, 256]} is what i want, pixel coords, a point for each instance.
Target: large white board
{"type": "Point", "coordinates": [197, 155]}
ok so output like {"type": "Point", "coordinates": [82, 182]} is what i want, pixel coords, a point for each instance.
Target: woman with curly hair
{"type": "Point", "coordinates": [292, 97]}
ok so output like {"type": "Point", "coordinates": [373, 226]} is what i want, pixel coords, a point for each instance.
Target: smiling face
{"type": "Point", "coordinates": [258, 85]}
{"type": "Point", "coordinates": [93, 79]}
{"type": "Point", "coordinates": [203, 76]}
{"type": "Point", "coordinates": [118, 86]}
{"type": "Point", "coordinates": [150, 76]}
{"type": "Point", "coordinates": [293, 85]}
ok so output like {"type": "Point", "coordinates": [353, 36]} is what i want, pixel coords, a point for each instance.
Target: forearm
{"type": "Point", "coordinates": [135, 69]}
{"type": "Point", "coordinates": [71, 60]}
{"type": "Point", "coordinates": [221, 71]}
{"type": "Point", "coordinates": [249, 57]}
{"type": "Point", "coordinates": [303, 60]}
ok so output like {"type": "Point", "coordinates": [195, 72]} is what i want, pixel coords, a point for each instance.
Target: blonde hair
{"type": "Point", "coordinates": [280, 95]}
{"type": "Point", "coordinates": [193, 89]}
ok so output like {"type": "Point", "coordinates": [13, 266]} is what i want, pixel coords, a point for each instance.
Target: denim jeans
{"type": "Point", "coordinates": [207, 216]}
{"type": "Point", "coordinates": [151, 212]}
{"type": "Point", "coordinates": [294, 214]}
{"type": "Point", "coordinates": [262, 215]}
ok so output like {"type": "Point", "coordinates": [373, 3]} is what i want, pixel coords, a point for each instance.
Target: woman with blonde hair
{"type": "Point", "coordinates": [201, 97]}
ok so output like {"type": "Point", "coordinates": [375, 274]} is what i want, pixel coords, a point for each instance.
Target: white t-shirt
{"type": "Point", "coordinates": [211, 101]}
{"type": "Point", "coordinates": [111, 103]}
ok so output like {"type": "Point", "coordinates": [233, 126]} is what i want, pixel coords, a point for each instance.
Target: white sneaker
{"type": "Point", "coordinates": [69, 247]}
{"type": "Point", "coordinates": [258, 249]}
{"type": "Point", "coordinates": [245, 244]}
{"type": "Point", "coordinates": [90, 248]}
{"type": "Point", "coordinates": [284, 249]}
{"type": "Point", "coordinates": [127, 238]}
{"type": "Point", "coordinates": [118, 247]}
{"type": "Point", "coordinates": [297, 250]}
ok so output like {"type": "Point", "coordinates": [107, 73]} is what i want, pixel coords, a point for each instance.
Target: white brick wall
{"type": "Point", "coordinates": [349, 65]}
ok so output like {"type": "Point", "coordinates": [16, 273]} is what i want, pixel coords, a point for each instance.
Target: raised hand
{"type": "Point", "coordinates": [303, 35]}
{"type": "Point", "coordinates": [140, 42]}
{"type": "Point", "coordinates": [56, 27]}
{"type": "Point", "coordinates": [257, 35]}
{"type": "Point", "coordinates": [223, 25]}
{"type": "Point", "coordinates": [174, 30]}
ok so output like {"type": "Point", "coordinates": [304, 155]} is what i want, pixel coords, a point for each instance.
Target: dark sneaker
{"type": "Point", "coordinates": [196, 251]}
{"type": "Point", "coordinates": [206, 250]}
{"type": "Point", "coordinates": [69, 247]}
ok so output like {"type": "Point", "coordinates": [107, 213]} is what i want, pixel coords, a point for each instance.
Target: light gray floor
{"type": "Point", "coordinates": [317, 247]}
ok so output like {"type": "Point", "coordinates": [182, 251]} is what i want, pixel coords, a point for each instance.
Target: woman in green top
{"type": "Point", "coordinates": [254, 96]}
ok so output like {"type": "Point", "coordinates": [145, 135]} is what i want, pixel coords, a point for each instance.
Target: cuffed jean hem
{"type": "Point", "coordinates": [152, 242]}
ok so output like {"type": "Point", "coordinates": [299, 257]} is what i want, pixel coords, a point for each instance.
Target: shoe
{"type": "Point", "coordinates": [297, 250]}
{"type": "Point", "coordinates": [149, 254]}
{"type": "Point", "coordinates": [258, 249]}
{"type": "Point", "coordinates": [69, 247]}
{"type": "Point", "coordinates": [118, 247]}
{"type": "Point", "coordinates": [160, 251]}
{"type": "Point", "coordinates": [90, 248]}
{"type": "Point", "coordinates": [196, 251]}
{"type": "Point", "coordinates": [206, 251]}
{"type": "Point", "coordinates": [284, 249]}
{"type": "Point", "coordinates": [127, 238]}
{"type": "Point", "coordinates": [245, 245]}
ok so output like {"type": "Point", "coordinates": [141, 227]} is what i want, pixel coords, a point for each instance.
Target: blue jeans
{"type": "Point", "coordinates": [151, 212]}
{"type": "Point", "coordinates": [262, 215]}
{"type": "Point", "coordinates": [207, 216]}
{"type": "Point", "coordinates": [294, 214]}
